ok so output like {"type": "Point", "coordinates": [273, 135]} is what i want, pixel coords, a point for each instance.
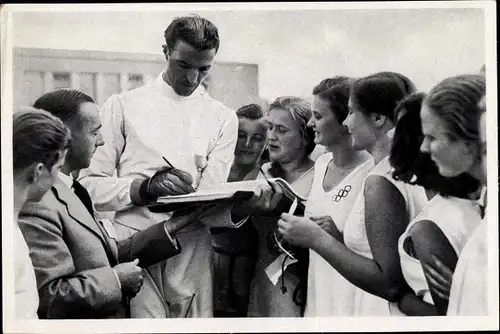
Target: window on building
{"type": "Point", "coordinates": [135, 80]}
{"type": "Point", "coordinates": [87, 84]}
{"type": "Point", "coordinates": [61, 80]}
{"type": "Point", "coordinates": [31, 88]}
{"type": "Point", "coordinates": [111, 85]}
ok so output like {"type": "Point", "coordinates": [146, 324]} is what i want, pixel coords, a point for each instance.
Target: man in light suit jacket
{"type": "Point", "coordinates": [81, 270]}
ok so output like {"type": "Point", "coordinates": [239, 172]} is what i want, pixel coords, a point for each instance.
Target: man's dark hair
{"type": "Point", "coordinates": [196, 31]}
{"type": "Point", "coordinates": [62, 103]}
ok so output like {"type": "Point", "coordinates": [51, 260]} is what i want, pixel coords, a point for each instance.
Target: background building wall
{"type": "Point", "coordinates": [100, 74]}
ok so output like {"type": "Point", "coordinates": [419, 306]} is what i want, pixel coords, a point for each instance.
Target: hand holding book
{"type": "Point", "coordinates": [265, 199]}
{"type": "Point", "coordinates": [256, 194]}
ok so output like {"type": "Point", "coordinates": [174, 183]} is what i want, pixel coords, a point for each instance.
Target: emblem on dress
{"type": "Point", "coordinates": [342, 193]}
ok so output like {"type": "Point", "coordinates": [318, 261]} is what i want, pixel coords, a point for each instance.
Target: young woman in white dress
{"type": "Point", "coordinates": [290, 143]}
{"type": "Point", "coordinates": [338, 177]}
{"type": "Point", "coordinates": [444, 226]}
{"type": "Point", "coordinates": [368, 256]}
{"type": "Point", "coordinates": [457, 134]}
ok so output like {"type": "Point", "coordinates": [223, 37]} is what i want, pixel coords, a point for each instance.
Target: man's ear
{"type": "Point", "coordinates": [166, 52]}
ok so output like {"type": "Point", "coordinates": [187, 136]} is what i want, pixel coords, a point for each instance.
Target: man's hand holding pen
{"type": "Point", "coordinates": [167, 181]}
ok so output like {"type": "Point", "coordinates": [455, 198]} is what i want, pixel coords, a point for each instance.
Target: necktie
{"type": "Point", "coordinates": [83, 195]}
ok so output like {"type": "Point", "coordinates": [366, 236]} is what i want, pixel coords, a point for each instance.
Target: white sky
{"type": "Point", "coordinates": [294, 49]}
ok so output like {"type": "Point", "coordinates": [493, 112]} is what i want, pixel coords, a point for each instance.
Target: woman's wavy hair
{"type": "Point", "coordinates": [337, 97]}
{"type": "Point", "coordinates": [250, 111]}
{"type": "Point", "coordinates": [301, 112]}
{"type": "Point", "coordinates": [417, 168]}
{"type": "Point", "coordinates": [328, 83]}
{"type": "Point", "coordinates": [37, 137]}
{"type": "Point", "coordinates": [406, 84]}
{"type": "Point", "coordinates": [253, 112]}
{"type": "Point", "coordinates": [455, 101]}
{"type": "Point", "coordinates": [379, 93]}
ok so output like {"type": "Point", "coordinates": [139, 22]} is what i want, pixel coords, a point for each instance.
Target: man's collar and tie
{"type": "Point", "coordinates": [79, 191]}
{"type": "Point", "coordinates": [83, 195]}
{"type": "Point", "coordinates": [86, 200]}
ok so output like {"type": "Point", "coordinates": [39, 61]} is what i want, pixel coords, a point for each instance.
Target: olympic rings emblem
{"type": "Point", "coordinates": [342, 193]}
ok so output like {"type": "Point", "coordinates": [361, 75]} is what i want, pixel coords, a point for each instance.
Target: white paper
{"type": "Point", "coordinates": [275, 269]}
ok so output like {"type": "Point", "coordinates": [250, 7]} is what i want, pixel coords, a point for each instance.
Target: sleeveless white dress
{"type": "Point", "coordinates": [469, 290]}
{"type": "Point", "coordinates": [328, 292]}
{"type": "Point", "coordinates": [457, 218]}
{"type": "Point", "coordinates": [355, 238]}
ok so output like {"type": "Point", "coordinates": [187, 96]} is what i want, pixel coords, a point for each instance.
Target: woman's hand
{"type": "Point", "coordinates": [328, 225]}
{"type": "Point", "coordinates": [299, 231]}
{"type": "Point", "coordinates": [265, 199]}
{"type": "Point", "coordinates": [440, 277]}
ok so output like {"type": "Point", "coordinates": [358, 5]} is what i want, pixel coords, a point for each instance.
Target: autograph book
{"type": "Point", "coordinates": [224, 192]}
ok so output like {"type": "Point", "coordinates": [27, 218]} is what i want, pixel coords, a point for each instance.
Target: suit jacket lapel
{"type": "Point", "coordinates": [79, 213]}
{"type": "Point", "coordinates": [109, 241]}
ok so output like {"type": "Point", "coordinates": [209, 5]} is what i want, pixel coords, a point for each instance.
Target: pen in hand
{"type": "Point", "coordinates": [182, 175]}
{"type": "Point", "coordinates": [168, 162]}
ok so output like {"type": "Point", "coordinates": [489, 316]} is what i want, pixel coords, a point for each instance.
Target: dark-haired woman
{"type": "Point", "coordinates": [338, 177]}
{"type": "Point", "coordinates": [290, 143]}
{"type": "Point", "coordinates": [444, 226]}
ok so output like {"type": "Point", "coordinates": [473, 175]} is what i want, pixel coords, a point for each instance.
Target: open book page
{"type": "Point", "coordinates": [221, 191]}
{"type": "Point", "coordinates": [229, 189]}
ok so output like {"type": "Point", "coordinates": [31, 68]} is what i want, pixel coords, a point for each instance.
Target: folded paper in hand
{"type": "Point", "coordinates": [224, 192]}
{"type": "Point", "coordinates": [275, 269]}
